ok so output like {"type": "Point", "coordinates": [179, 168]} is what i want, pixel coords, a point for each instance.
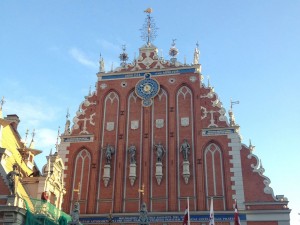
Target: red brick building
{"type": "Point", "coordinates": [153, 125]}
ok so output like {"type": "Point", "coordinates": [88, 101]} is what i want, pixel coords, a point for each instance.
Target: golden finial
{"type": "Point", "coordinates": [78, 190]}
{"type": "Point", "coordinates": [142, 190]}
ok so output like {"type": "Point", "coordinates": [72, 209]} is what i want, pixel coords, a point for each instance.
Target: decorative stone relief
{"type": "Point", "coordinates": [103, 86]}
{"type": "Point", "coordinates": [193, 79]}
{"type": "Point", "coordinates": [258, 168]}
{"type": "Point", "coordinates": [217, 103]}
{"type": "Point", "coordinates": [186, 171]}
{"type": "Point", "coordinates": [158, 172]}
{"type": "Point", "coordinates": [210, 94]}
{"type": "Point", "coordinates": [185, 121]}
{"type": "Point", "coordinates": [110, 126]}
{"type": "Point", "coordinates": [212, 120]}
{"type": "Point", "coordinates": [88, 103]}
{"type": "Point", "coordinates": [132, 173]}
{"type": "Point", "coordinates": [222, 116]}
{"type": "Point", "coordinates": [204, 112]}
{"type": "Point", "coordinates": [159, 123]}
{"type": "Point", "coordinates": [84, 131]}
{"type": "Point", "coordinates": [106, 174]}
{"type": "Point", "coordinates": [134, 124]}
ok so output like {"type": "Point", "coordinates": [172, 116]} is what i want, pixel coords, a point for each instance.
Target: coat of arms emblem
{"type": "Point", "coordinates": [185, 121]}
{"type": "Point", "coordinates": [110, 126]}
{"type": "Point", "coordinates": [134, 124]}
{"type": "Point", "coordinates": [159, 123]}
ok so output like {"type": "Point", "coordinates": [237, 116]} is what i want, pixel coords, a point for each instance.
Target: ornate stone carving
{"type": "Point", "coordinates": [103, 86]}
{"type": "Point", "coordinates": [143, 219]}
{"type": "Point", "coordinates": [158, 172]}
{"type": "Point", "coordinates": [132, 173]}
{"type": "Point", "coordinates": [185, 121]}
{"type": "Point", "coordinates": [258, 168]}
{"type": "Point", "coordinates": [134, 124]}
{"type": "Point", "coordinates": [106, 174]}
{"type": "Point", "coordinates": [193, 78]}
{"type": "Point", "coordinates": [159, 123]}
{"type": "Point", "coordinates": [110, 126]}
{"type": "Point", "coordinates": [186, 171]}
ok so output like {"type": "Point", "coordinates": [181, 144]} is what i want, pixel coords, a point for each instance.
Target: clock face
{"type": "Point", "coordinates": [147, 88]}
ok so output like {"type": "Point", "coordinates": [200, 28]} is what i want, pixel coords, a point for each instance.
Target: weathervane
{"type": "Point", "coordinates": [233, 103]}
{"type": "Point", "coordinates": [149, 28]}
{"type": "Point", "coordinates": [123, 56]}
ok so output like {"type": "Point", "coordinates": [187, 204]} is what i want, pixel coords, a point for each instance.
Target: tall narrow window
{"type": "Point", "coordinates": [81, 178]}
{"type": "Point", "coordinates": [214, 176]}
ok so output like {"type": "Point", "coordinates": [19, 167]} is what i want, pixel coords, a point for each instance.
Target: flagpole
{"type": "Point", "coordinates": [188, 203]}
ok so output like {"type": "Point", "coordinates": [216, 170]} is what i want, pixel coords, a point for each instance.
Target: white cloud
{"type": "Point", "coordinates": [106, 45]}
{"type": "Point", "coordinates": [32, 111]}
{"type": "Point", "coordinates": [45, 139]}
{"type": "Point", "coordinates": [81, 57]}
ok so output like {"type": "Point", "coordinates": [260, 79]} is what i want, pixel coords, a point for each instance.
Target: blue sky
{"type": "Point", "coordinates": [49, 52]}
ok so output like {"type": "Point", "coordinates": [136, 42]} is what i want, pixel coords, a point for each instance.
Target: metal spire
{"type": "Point", "coordinates": [2, 101]}
{"type": "Point", "coordinates": [149, 28]}
{"type": "Point", "coordinates": [56, 145]}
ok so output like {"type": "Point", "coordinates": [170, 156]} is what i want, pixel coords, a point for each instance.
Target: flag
{"type": "Point", "coordinates": [211, 214]}
{"type": "Point", "coordinates": [186, 217]}
{"type": "Point", "coordinates": [236, 215]}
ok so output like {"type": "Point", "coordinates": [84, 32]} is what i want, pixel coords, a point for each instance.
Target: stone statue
{"type": "Point", "coordinates": [109, 151]}
{"type": "Point", "coordinates": [196, 56]}
{"type": "Point", "coordinates": [185, 149]}
{"type": "Point", "coordinates": [101, 69]}
{"type": "Point", "coordinates": [160, 152]}
{"type": "Point", "coordinates": [132, 152]}
{"type": "Point", "coordinates": [12, 178]}
{"type": "Point", "coordinates": [75, 214]}
{"type": "Point", "coordinates": [143, 219]}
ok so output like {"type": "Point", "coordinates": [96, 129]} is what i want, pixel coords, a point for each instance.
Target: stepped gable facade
{"type": "Point", "coordinates": [152, 132]}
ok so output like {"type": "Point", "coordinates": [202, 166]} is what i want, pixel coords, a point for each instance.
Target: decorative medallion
{"type": "Point", "coordinates": [147, 89]}
{"type": "Point", "coordinates": [172, 80]}
{"type": "Point", "coordinates": [110, 126]}
{"type": "Point", "coordinates": [193, 79]}
{"type": "Point", "coordinates": [103, 86]}
{"type": "Point", "coordinates": [124, 84]}
{"type": "Point", "coordinates": [159, 123]}
{"type": "Point", "coordinates": [134, 124]}
{"type": "Point", "coordinates": [185, 121]}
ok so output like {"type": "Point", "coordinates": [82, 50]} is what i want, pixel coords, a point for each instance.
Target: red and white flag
{"type": "Point", "coordinates": [186, 217]}
{"type": "Point", "coordinates": [236, 215]}
{"type": "Point", "coordinates": [211, 214]}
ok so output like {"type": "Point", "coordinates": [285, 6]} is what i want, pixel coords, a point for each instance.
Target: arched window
{"type": "Point", "coordinates": [214, 176]}
{"type": "Point", "coordinates": [82, 168]}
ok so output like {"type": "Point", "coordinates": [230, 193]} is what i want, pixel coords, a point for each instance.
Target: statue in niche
{"type": "Point", "coordinates": [132, 153]}
{"type": "Point", "coordinates": [109, 151]}
{"type": "Point", "coordinates": [160, 152]}
{"type": "Point", "coordinates": [13, 179]}
{"type": "Point", "coordinates": [185, 149]}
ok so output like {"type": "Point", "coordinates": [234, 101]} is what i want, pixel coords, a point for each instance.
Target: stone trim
{"type": "Point", "coordinates": [236, 169]}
